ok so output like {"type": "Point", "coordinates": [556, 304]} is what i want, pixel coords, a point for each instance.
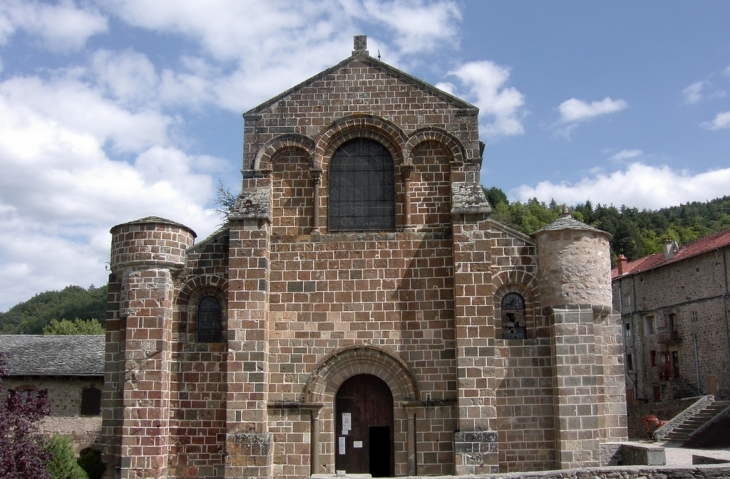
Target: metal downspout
{"type": "Point", "coordinates": [725, 299]}
{"type": "Point", "coordinates": [640, 394]}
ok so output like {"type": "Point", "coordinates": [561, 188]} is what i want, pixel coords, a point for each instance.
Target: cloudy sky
{"type": "Point", "coordinates": [114, 110]}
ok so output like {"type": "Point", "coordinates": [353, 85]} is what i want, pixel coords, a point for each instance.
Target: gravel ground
{"type": "Point", "coordinates": [679, 456]}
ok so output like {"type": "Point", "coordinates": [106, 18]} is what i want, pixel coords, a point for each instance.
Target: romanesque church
{"type": "Point", "coordinates": [360, 311]}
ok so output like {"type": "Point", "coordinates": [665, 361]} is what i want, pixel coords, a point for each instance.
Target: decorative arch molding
{"type": "Point", "coordinates": [438, 135]}
{"type": "Point", "coordinates": [528, 281]}
{"type": "Point", "coordinates": [361, 126]}
{"type": "Point", "coordinates": [197, 283]}
{"type": "Point", "coordinates": [266, 153]}
{"type": "Point", "coordinates": [345, 363]}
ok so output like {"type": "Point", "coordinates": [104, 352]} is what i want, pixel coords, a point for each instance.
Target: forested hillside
{"type": "Point", "coordinates": [70, 303]}
{"type": "Point", "coordinates": [636, 233]}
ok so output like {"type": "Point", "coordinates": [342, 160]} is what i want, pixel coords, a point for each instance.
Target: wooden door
{"type": "Point", "coordinates": [364, 427]}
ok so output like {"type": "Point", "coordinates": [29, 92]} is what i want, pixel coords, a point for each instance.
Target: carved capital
{"type": "Point", "coordinates": [405, 172]}
{"type": "Point", "coordinates": [316, 175]}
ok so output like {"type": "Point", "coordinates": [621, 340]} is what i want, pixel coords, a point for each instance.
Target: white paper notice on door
{"type": "Point", "coordinates": [346, 423]}
{"type": "Point", "coordinates": [357, 444]}
{"type": "Point", "coordinates": [342, 446]}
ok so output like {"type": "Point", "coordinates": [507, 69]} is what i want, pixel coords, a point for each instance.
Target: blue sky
{"type": "Point", "coordinates": [120, 109]}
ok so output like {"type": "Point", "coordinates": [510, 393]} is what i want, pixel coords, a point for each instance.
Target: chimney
{"type": "Point", "coordinates": [361, 45]}
{"type": "Point", "coordinates": [622, 264]}
{"type": "Point", "coordinates": [670, 247]}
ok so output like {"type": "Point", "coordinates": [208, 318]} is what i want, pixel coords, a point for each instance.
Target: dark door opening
{"type": "Point", "coordinates": [364, 427]}
{"type": "Point", "coordinates": [379, 451]}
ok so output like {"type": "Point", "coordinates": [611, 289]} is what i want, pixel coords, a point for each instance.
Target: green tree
{"type": "Point", "coordinates": [77, 326]}
{"type": "Point", "coordinates": [63, 465]}
{"type": "Point", "coordinates": [495, 196]}
{"type": "Point", "coordinates": [31, 316]}
{"type": "Point", "coordinates": [90, 461]}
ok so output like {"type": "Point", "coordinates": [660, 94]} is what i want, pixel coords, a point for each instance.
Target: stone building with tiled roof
{"type": "Point", "coordinates": [71, 369]}
{"type": "Point", "coordinates": [361, 311]}
{"type": "Point", "coordinates": [674, 306]}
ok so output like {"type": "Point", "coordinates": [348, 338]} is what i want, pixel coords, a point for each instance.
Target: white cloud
{"type": "Point", "coordinates": [726, 71]}
{"type": "Point", "coordinates": [574, 110]}
{"type": "Point", "coordinates": [60, 192]}
{"type": "Point", "coordinates": [77, 106]}
{"type": "Point", "coordinates": [693, 93]}
{"type": "Point", "coordinates": [250, 51]}
{"type": "Point", "coordinates": [639, 186]}
{"type": "Point", "coordinates": [448, 87]}
{"type": "Point", "coordinates": [499, 106]}
{"type": "Point", "coordinates": [419, 26]}
{"type": "Point", "coordinates": [61, 27]}
{"type": "Point", "coordinates": [721, 120]}
{"type": "Point", "coordinates": [128, 76]}
{"type": "Point", "coordinates": [626, 155]}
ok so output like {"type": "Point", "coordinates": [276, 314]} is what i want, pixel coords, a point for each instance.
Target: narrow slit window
{"type": "Point", "coordinates": [209, 320]}
{"type": "Point", "coordinates": [513, 317]}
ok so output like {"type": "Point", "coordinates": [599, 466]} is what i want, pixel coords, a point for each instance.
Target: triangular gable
{"type": "Point", "coordinates": [375, 63]}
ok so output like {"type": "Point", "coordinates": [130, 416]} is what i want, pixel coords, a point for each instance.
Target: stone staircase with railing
{"type": "Point", "coordinates": [681, 428]}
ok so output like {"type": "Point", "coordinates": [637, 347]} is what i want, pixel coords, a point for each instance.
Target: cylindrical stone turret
{"type": "Point", "coordinates": [145, 254]}
{"type": "Point", "coordinates": [574, 264]}
{"type": "Point", "coordinates": [150, 241]}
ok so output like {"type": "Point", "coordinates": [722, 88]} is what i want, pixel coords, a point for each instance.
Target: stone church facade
{"type": "Point", "coordinates": [360, 311]}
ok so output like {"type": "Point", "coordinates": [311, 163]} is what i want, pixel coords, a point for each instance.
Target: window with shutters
{"type": "Point", "coordinates": [90, 402]}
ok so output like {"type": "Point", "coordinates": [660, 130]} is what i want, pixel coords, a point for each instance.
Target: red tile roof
{"type": "Point", "coordinates": [703, 245]}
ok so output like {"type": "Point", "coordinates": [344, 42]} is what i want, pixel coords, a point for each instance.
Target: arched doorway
{"type": "Point", "coordinates": [364, 426]}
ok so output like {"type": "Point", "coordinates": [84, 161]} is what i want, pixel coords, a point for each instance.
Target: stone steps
{"type": "Point", "coordinates": [684, 431]}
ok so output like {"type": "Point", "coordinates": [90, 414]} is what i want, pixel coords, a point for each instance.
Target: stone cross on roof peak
{"type": "Point", "coordinates": [361, 45]}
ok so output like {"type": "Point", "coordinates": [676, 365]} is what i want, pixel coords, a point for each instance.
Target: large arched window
{"type": "Point", "coordinates": [513, 317]}
{"type": "Point", "coordinates": [208, 324]}
{"type": "Point", "coordinates": [361, 187]}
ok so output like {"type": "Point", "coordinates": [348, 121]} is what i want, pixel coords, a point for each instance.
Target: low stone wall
{"type": "Point", "coordinates": [632, 454]}
{"type": "Point", "coordinates": [663, 410]}
{"type": "Point", "coordinates": [629, 472]}
{"type": "Point", "coordinates": [83, 431]}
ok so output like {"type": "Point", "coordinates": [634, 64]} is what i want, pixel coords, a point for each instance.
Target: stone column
{"type": "Point", "coordinates": [405, 171]}
{"type": "Point", "coordinates": [411, 440]}
{"type": "Point", "coordinates": [315, 449]}
{"type": "Point", "coordinates": [316, 175]}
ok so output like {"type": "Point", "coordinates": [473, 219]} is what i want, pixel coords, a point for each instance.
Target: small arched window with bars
{"type": "Point", "coordinates": [208, 324]}
{"type": "Point", "coordinates": [513, 317]}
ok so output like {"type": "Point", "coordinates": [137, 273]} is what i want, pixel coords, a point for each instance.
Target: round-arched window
{"type": "Point", "coordinates": [513, 317]}
{"type": "Point", "coordinates": [361, 187]}
{"type": "Point", "coordinates": [208, 324]}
